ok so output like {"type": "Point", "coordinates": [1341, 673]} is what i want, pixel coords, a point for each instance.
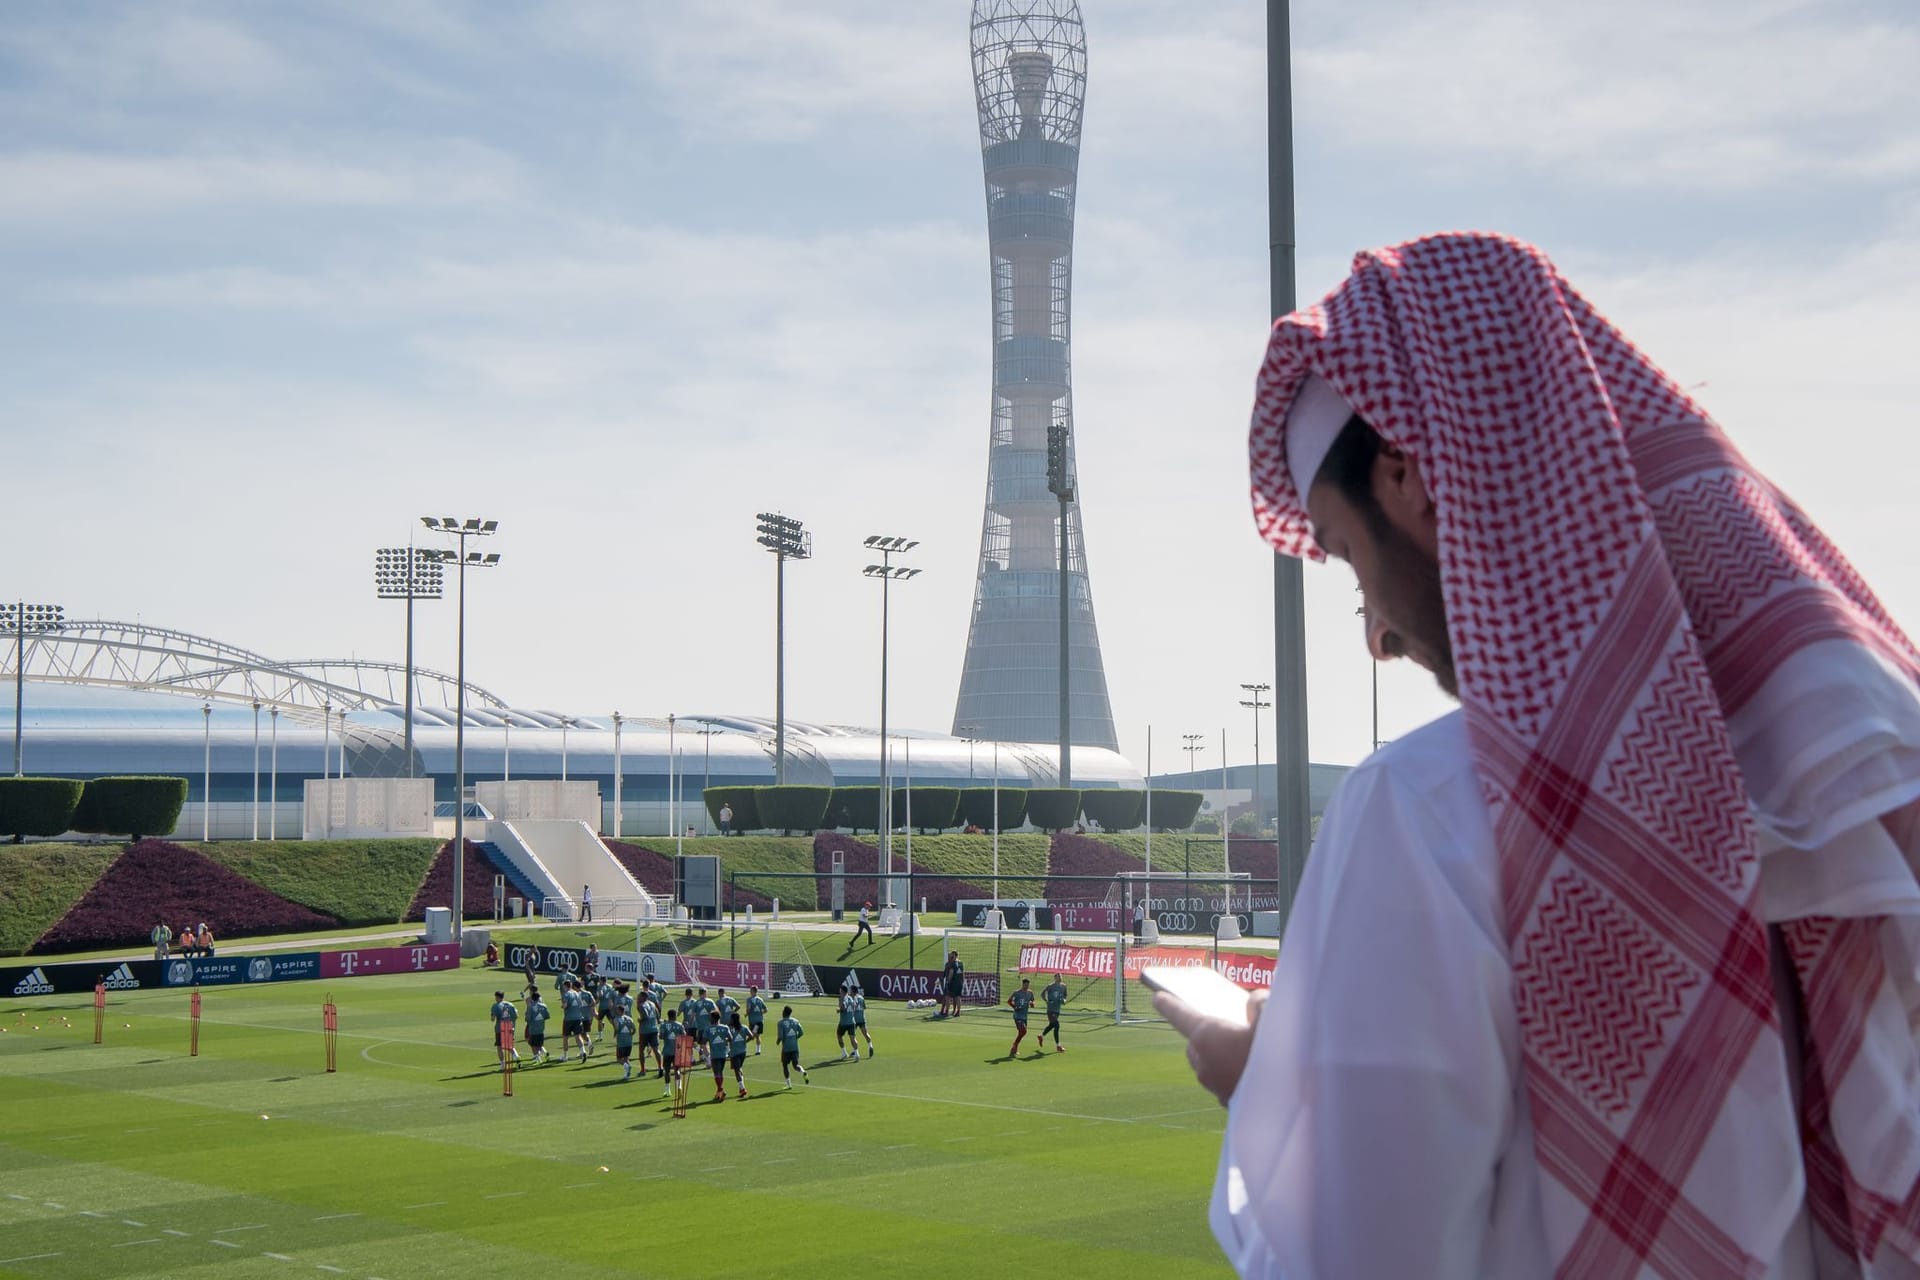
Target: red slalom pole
{"type": "Point", "coordinates": [193, 1043]}
{"type": "Point", "coordinates": [99, 1009]}
{"type": "Point", "coordinates": [330, 1025]}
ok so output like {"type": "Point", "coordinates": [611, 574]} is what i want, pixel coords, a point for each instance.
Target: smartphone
{"type": "Point", "coordinates": [1201, 988]}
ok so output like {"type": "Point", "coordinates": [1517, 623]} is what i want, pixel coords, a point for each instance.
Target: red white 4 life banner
{"type": "Point", "coordinates": [1252, 971]}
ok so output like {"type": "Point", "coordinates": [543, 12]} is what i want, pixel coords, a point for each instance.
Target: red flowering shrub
{"type": "Point", "coordinates": [437, 889]}
{"type": "Point", "coordinates": [155, 880]}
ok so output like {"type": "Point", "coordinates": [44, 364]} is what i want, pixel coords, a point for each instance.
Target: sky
{"type": "Point", "coordinates": [282, 279]}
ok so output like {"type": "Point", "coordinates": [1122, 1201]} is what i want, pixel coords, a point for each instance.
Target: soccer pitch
{"type": "Point", "coordinates": [936, 1156]}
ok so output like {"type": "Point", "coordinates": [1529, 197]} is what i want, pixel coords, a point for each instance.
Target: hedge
{"type": "Point", "coordinates": [934, 808]}
{"type": "Point", "coordinates": [1114, 808]}
{"type": "Point", "coordinates": [856, 808]}
{"type": "Point", "coordinates": [132, 806]}
{"type": "Point", "coordinates": [37, 806]}
{"type": "Point", "coordinates": [746, 814]}
{"type": "Point", "coordinates": [1175, 810]}
{"type": "Point", "coordinates": [976, 806]}
{"type": "Point", "coordinates": [792, 808]}
{"type": "Point", "coordinates": [1053, 808]}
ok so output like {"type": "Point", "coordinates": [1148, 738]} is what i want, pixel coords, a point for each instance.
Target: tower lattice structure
{"type": "Point", "coordinates": [1030, 75]}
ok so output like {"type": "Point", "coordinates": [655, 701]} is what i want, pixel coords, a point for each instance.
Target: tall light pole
{"type": "Point", "coordinates": [461, 530]}
{"type": "Point", "coordinates": [616, 775]}
{"type": "Point", "coordinates": [206, 776]}
{"type": "Point", "coordinates": [402, 573]}
{"type": "Point", "coordinates": [1060, 484]}
{"type": "Point", "coordinates": [566, 723]}
{"type": "Point", "coordinates": [673, 808]}
{"type": "Point", "coordinates": [326, 741]}
{"type": "Point", "coordinates": [1194, 743]}
{"type": "Point", "coordinates": [706, 773]}
{"type": "Point", "coordinates": [19, 619]}
{"type": "Point", "coordinates": [788, 540]}
{"type": "Point", "coordinates": [256, 768]}
{"type": "Point", "coordinates": [273, 784]}
{"type": "Point", "coordinates": [887, 572]}
{"type": "Point", "coordinates": [1257, 704]}
{"type": "Point", "coordinates": [970, 732]}
{"type": "Point", "coordinates": [506, 751]}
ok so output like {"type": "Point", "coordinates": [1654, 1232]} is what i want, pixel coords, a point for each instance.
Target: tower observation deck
{"type": "Point", "coordinates": [1030, 74]}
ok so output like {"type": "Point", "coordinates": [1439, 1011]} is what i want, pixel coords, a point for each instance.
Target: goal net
{"type": "Point", "coordinates": [735, 954]}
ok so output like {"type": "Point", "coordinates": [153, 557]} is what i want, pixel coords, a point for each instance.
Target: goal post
{"type": "Point", "coordinates": [735, 954]}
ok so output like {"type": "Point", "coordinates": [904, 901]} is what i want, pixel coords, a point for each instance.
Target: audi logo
{"type": "Point", "coordinates": [1178, 921]}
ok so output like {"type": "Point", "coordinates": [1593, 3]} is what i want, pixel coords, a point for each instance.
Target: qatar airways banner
{"type": "Point", "coordinates": [1251, 971]}
{"type": "Point", "coordinates": [378, 960]}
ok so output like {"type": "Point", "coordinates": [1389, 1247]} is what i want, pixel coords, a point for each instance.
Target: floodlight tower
{"type": "Point", "coordinates": [21, 620]}
{"type": "Point", "coordinates": [1030, 73]}
{"type": "Point", "coordinates": [788, 540]}
{"type": "Point", "coordinates": [402, 573]}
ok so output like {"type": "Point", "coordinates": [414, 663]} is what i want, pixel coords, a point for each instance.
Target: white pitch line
{"type": "Point", "coordinates": [14, 1195]}
{"type": "Point", "coordinates": [27, 1257]}
{"type": "Point", "coordinates": [51, 1205]}
{"type": "Point", "coordinates": [335, 1217]}
{"type": "Point", "coordinates": [169, 1231]}
{"type": "Point", "coordinates": [277, 1257]}
{"type": "Point", "coordinates": [898, 1146]}
{"type": "Point", "coordinates": [224, 1244]}
{"type": "Point", "coordinates": [126, 1244]}
{"type": "Point", "coordinates": [321, 1266]}
{"type": "Point", "coordinates": [503, 1195]}
{"type": "Point", "coordinates": [227, 1231]}
{"type": "Point", "coordinates": [88, 1213]}
{"type": "Point", "coordinates": [781, 1160]}
{"type": "Point", "coordinates": [129, 1222]}
{"type": "Point", "coordinates": [430, 1204]}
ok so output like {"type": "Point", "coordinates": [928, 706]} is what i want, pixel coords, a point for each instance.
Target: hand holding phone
{"type": "Point", "coordinates": [1201, 989]}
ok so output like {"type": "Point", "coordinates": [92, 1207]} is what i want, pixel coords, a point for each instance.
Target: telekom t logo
{"type": "Point", "coordinates": [419, 955]}
{"type": "Point", "coordinates": [348, 961]}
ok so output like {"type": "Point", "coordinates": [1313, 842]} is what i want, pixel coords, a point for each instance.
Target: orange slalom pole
{"type": "Point", "coordinates": [193, 1043]}
{"type": "Point", "coordinates": [330, 1027]}
{"type": "Point", "coordinates": [99, 1009]}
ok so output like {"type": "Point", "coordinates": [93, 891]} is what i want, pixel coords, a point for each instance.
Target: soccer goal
{"type": "Point", "coordinates": [735, 954]}
{"type": "Point", "coordinates": [1101, 971]}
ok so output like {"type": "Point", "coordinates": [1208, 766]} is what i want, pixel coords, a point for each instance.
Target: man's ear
{"type": "Point", "coordinates": [1401, 491]}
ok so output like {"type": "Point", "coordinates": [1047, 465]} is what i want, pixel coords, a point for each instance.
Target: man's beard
{"type": "Point", "coordinates": [1412, 600]}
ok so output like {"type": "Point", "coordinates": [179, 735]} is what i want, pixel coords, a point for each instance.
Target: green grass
{"type": "Point", "coordinates": [971, 857]}
{"type": "Point", "coordinates": [39, 883]}
{"type": "Point", "coordinates": [1170, 852]}
{"type": "Point", "coordinates": [132, 1159]}
{"type": "Point", "coordinates": [358, 882]}
{"type": "Point", "coordinates": [748, 855]}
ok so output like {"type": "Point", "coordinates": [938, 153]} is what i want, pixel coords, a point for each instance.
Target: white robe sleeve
{"type": "Point", "coordinates": [1365, 1136]}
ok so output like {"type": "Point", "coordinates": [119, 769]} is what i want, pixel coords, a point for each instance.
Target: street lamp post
{"type": "Point", "coordinates": [206, 776]}
{"type": "Point", "coordinates": [1060, 484]}
{"type": "Point", "coordinates": [402, 573]}
{"type": "Point", "coordinates": [461, 530]}
{"type": "Point", "coordinates": [21, 618]}
{"type": "Point", "coordinates": [566, 723]}
{"type": "Point", "coordinates": [273, 779]}
{"type": "Point", "coordinates": [616, 775]}
{"type": "Point", "coordinates": [887, 572]}
{"type": "Point", "coordinates": [256, 768]}
{"type": "Point", "coordinates": [788, 540]}
{"type": "Point", "coordinates": [1257, 704]}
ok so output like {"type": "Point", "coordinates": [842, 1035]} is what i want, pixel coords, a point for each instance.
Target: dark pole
{"type": "Point", "coordinates": [1066, 632]}
{"type": "Point", "coordinates": [409, 673]}
{"type": "Point", "coordinates": [19, 680]}
{"type": "Point", "coordinates": [779, 669]}
{"type": "Point", "coordinates": [460, 755]}
{"type": "Point", "coordinates": [1292, 799]}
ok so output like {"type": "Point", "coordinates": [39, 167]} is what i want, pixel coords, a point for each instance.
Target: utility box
{"type": "Point", "coordinates": [439, 924]}
{"type": "Point", "coordinates": [696, 885]}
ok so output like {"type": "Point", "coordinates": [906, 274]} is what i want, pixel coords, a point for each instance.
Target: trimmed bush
{"type": "Point", "coordinates": [792, 808]}
{"type": "Point", "coordinates": [934, 808]}
{"type": "Point", "coordinates": [976, 806]}
{"type": "Point", "coordinates": [1053, 808]}
{"type": "Point", "coordinates": [746, 814]}
{"type": "Point", "coordinates": [857, 808]}
{"type": "Point", "coordinates": [131, 806]}
{"type": "Point", "coordinates": [1114, 808]}
{"type": "Point", "coordinates": [37, 806]}
{"type": "Point", "coordinates": [1176, 810]}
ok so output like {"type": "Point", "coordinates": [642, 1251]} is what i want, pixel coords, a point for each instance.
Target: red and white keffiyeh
{"type": "Point", "coordinates": [1668, 674]}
